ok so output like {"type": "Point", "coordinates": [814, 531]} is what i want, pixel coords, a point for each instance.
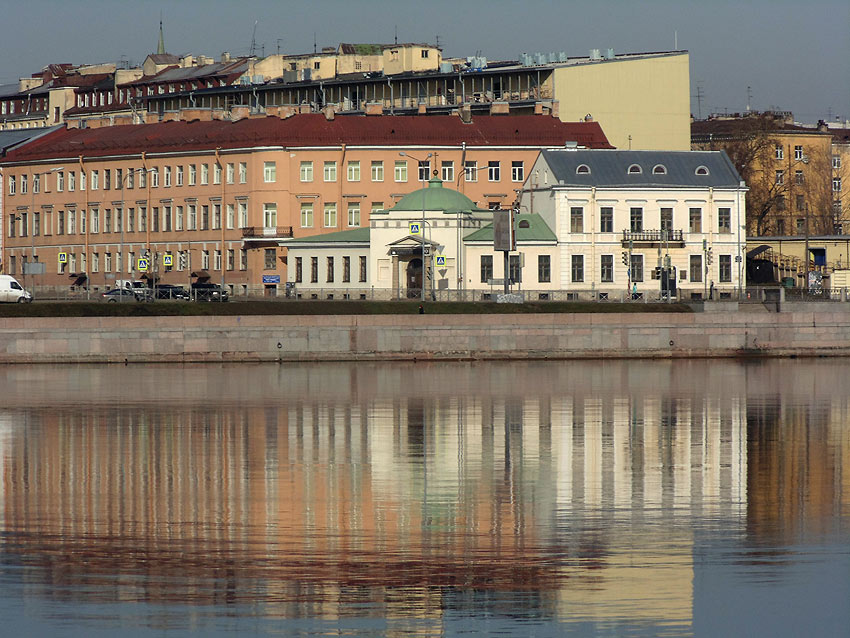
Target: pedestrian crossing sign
{"type": "Point", "coordinates": [63, 258]}
{"type": "Point", "coordinates": [441, 261]}
{"type": "Point", "coordinates": [415, 228]}
{"type": "Point", "coordinates": [167, 260]}
{"type": "Point", "coordinates": [143, 265]}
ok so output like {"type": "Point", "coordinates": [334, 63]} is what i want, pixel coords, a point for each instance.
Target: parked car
{"type": "Point", "coordinates": [208, 292]}
{"type": "Point", "coordinates": [120, 294]}
{"type": "Point", "coordinates": [170, 291]}
{"type": "Point", "coordinates": [11, 290]}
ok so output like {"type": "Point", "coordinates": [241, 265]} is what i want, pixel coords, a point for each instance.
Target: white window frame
{"type": "Point", "coordinates": [269, 172]}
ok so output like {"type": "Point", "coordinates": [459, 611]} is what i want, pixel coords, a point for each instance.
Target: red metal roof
{"type": "Point", "coordinates": [314, 130]}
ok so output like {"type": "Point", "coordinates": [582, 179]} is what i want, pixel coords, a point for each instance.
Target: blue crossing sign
{"type": "Point", "coordinates": [143, 264]}
{"type": "Point", "coordinates": [415, 228]}
{"type": "Point", "coordinates": [441, 261]}
{"type": "Point", "coordinates": [167, 260]}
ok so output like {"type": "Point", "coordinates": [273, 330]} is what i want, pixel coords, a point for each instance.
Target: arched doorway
{"type": "Point", "coordinates": [414, 278]}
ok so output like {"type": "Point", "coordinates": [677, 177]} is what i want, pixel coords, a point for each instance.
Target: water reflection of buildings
{"type": "Point", "coordinates": [317, 488]}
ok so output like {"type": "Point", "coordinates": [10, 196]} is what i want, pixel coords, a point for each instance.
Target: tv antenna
{"type": "Point", "coordinates": [253, 40]}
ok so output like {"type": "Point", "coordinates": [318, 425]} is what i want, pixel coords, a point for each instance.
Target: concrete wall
{"type": "Point", "coordinates": [345, 337]}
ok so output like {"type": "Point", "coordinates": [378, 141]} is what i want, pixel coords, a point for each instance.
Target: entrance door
{"type": "Point", "coordinates": [414, 278]}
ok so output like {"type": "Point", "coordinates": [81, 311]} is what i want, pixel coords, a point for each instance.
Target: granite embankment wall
{"type": "Point", "coordinates": [406, 337]}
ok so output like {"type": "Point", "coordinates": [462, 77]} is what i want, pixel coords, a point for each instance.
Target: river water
{"type": "Point", "coordinates": [628, 498]}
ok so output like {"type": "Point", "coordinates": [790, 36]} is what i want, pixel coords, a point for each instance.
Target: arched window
{"type": "Point", "coordinates": [634, 169]}
{"type": "Point", "coordinates": [701, 170]}
{"type": "Point", "coordinates": [659, 169]}
{"type": "Point", "coordinates": [583, 169]}
{"type": "Point", "coordinates": [523, 223]}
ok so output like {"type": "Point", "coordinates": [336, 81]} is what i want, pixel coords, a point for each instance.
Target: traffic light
{"type": "Point", "coordinates": [625, 258]}
{"type": "Point", "coordinates": [709, 257]}
{"type": "Point", "coordinates": [182, 259]}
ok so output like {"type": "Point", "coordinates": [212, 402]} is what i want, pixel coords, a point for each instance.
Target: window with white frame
{"type": "Point", "coordinates": [544, 269]}
{"type": "Point", "coordinates": [269, 172]}
{"type": "Point", "coordinates": [724, 220]}
{"type": "Point", "coordinates": [180, 175]}
{"type": "Point", "coordinates": [576, 219]}
{"type": "Point", "coordinates": [330, 215]}
{"type": "Point", "coordinates": [306, 171]}
{"type": "Point", "coordinates": [724, 268]}
{"type": "Point", "coordinates": [166, 176]}
{"type": "Point", "coordinates": [82, 180]}
{"type": "Point", "coordinates": [95, 175]}
{"type": "Point", "coordinates": [400, 171]}
{"type": "Point", "coordinates": [60, 182]}
{"type": "Point", "coordinates": [577, 268]}
{"type": "Point", "coordinates": [155, 178]}
{"type": "Point", "coordinates": [216, 173]}
{"type": "Point", "coordinates": [494, 171]}
{"type": "Point", "coordinates": [695, 268]}
{"type": "Point", "coordinates": [779, 151]}
{"type": "Point", "coordinates": [12, 183]}
{"type": "Point", "coordinates": [354, 214]}
{"type": "Point", "coordinates": [377, 171]}
{"type": "Point", "coordinates": [231, 173]}
{"type": "Point", "coordinates": [193, 174]}
{"type": "Point", "coordinates": [330, 171]}
{"type": "Point", "coordinates": [243, 172]}
{"type": "Point", "coordinates": [243, 214]}
{"type": "Point", "coordinates": [270, 215]}
{"type": "Point", "coordinates": [836, 162]}
{"type": "Point", "coordinates": [695, 220]}
{"type": "Point", "coordinates": [517, 171]}
{"type": "Point", "coordinates": [636, 265]}
{"type": "Point", "coordinates": [470, 171]}
{"type": "Point", "coordinates": [192, 222]}
{"type": "Point", "coordinates": [205, 174]}
{"type": "Point", "coordinates": [354, 171]}
{"type": "Point", "coordinates": [636, 219]}
{"type": "Point", "coordinates": [306, 214]}
{"type": "Point", "coordinates": [779, 177]}
{"type": "Point", "coordinates": [606, 268]}
{"type": "Point", "coordinates": [606, 219]}
{"type": "Point", "coordinates": [178, 218]}
{"type": "Point", "coordinates": [205, 259]}
{"type": "Point", "coordinates": [424, 170]}
{"type": "Point", "coordinates": [798, 152]}
{"type": "Point", "coordinates": [448, 171]}
{"type": "Point", "coordinates": [231, 216]}
{"type": "Point", "coordinates": [836, 184]}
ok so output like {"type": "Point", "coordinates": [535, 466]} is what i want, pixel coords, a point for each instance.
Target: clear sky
{"type": "Point", "coordinates": [792, 55]}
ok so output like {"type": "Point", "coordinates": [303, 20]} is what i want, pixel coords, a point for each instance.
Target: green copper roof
{"type": "Point", "coordinates": [528, 228]}
{"type": "Point", "coordinates": [355, 235]}
{"type": "Point", "coordinates": [436, 198]}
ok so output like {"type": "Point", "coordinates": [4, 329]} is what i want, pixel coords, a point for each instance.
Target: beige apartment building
{"type": "Point", "coordinates": [184, 202]}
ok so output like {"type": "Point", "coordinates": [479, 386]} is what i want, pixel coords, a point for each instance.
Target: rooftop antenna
{"type": "Point", "coordinates": [396, 34]}
{"type": "Point", "coordinates": [314, 42]}
{"type": "Point", "coordinates": [253, 40]}
{"type": "Point", "coordinates": [279, 40]}
{"type": "Point", "coordinates": [698, 95]}
{"type": "Point", "coordinates": [675, 40]}
{"type": "Point", "coordinates": [438, 40]}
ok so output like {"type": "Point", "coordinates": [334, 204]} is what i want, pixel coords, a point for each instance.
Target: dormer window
{"type": "Point", "coordinates": [659, 169]}
{"type": "Point", "coordinates": [523, 223]}
{"type": "Point", "coordinates": [583, 169]}
{"type": "Point", "coordinates": [701, 170]}
{"type": "Point", "coordinates": [634, 169]}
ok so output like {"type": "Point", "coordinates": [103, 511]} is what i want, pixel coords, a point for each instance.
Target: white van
{"type": "Point", "coordinates": [11, 290]}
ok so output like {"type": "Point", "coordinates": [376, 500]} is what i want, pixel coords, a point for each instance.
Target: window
{"type": "Point", "coordinates": [377, 206]}
{"type": "Point", "coordinates": [229, 175]}
{"type": "Point", "coordinates": [95, 175]}
{"type": "Point", "coordinates": [582, 169]}
{"type": "Point", "coordinates": [107, 220]}
{"type": "Point", "coordinates": [298, 269]}
{"type": "Point", "coordinates": [193, 174]}
{"type": "Point", "coordinates": [60, 182]}
{"type": "Point", "coordinates": [346, 269]}
{"type": "Point", "coordinates": [72, 222]}
{"type": "Point", "coordinates": [243, 172]}
{"type": "Point", "coordinates": [779, 151]}
{"type": "Point", "coordinates": [11, 184]}
{"type": "Point", "coordinates": [424, 170]}
{"type": "Point", "coordinates": [270, 258]}
{"type": "Point", "coordinates": [306, 214]}
{"type": "Point", "coordinates": [780, 177]}
{"type": "Point", "coordinates": [400, 171]}
{"type": "Point", "coordinates": [544, 269]}
{"type": "Point", "coordinates": [493, 171]}
{"type": "Point", "coordinates": [60, 223]}
{"type": "Point", "coordinates": [36, 224]}
{"type": "Point", "coordinates": [515, 269]}
{"type": "Point", "coordinates": [269, 172]}
{"type": "Point", "coordinates": [107, 179]}
{"type": "Point", "coordinates": [695, 220]}
{"type": "Point", "coordinates": [798, 152]}
{"type": "Point", "coordinates": [205, 259]}
{"type": "Point", "coordinates": [486, 268]}
{"type": "Point", "coordinates": [659, 169]}
{"type": "Point", "coordinates": [696, 268]}
{"type": "Point", "coordinates": [801, 226]}
{"type": "Point", "coordinates": [216, 220]}
{"type": "Point", "coordinates": [470, 171]}
{"type": "Point", "coordinates": [354, 214]}
{"type": "Point", "coordinates": [306, 171]}
{"type": "Point", "coordinates": [666, 220]}
{"type": "Point", "coordinates": [724, 268]}
{"type": "Point", "coordinates": [95, 262]}
{"type": "Point", "coordinates": [576, 219]}
{"type": "Point", "coordinates": [800, 201]}
{"type": "Point", "coordinates": [314, 270]}
{"type": "Point", "coordinates": [362, 268]}
{"type": "Point", "coordinates": [243, 214]}
{"type": "Point", "coordinates": [82, 181]}
{"type": "Point", "coordinates": [205, 217]}
{"type": "Point", "coordinates": [636, 266]}
{"type": "Point", "coordinates": [36, 183]}
{"type": "Point", "coordinates": [167, 176]}
{"type": "Point", "coordinates": [243, 259]}
{"type": "Point", "coordinates": [143, 179]}
{"type": "Point", "coordinates": [606, 268]}
{"type": "Point", "coordinates": [180, 176]}
{"type": "Point", "coordinates": [377, 171]}
{"type": "Point", "coordinates": [231, 216]}
{"type": "Point", "coordinates": [636, 219]}
{"type": "Point", "coordinates": [154, 179]}
{"type": "Point", "coordinates": [836, 184]}
{"type": "Point", "coordinates": [836, 162]}
{"type": "Point", "coordinates": [634, 169]}
{"type": "Point", "coordinates": [517, 171]}
{"type": "Point", "coordinates": [424, 53]}
{"type": "Point", "coordinates": [577, 269]}
{"type": "Point", "coordinates": [205, 174]}
{"type": "Point", "coordinates": [107, 262]}
{"type": "Point", "coordinates": [724, 220]}
{"type": "Point", "coordinates": [701, 170]}
{"type": "Point", "coordinates": [330, 172]}
{"type": "Point", "coordinates": [217, 260]}
{"type": "Point", "coordinates": [330, 270]}
{"type": "Point", "coordinates": [217, 179]}
{"type": "Point", "coordinates": [231, 259]}
{"type": "Point", "coordinates": [448, 171]}
{"type": "Point", "coordinates": [193, 217]}
{"type": "Point", "coordinates": [178, 218]}
{"type": "Point", "coordinates": [270, 215]}
{"type": "Point", "coordinates": [143, 219]}
{"type": "Point", "coordinates": [330, 215]}
{"type": "Point", "coordinates": [780, 202]}
{"type": "Point", "coordinates": [354, 171]}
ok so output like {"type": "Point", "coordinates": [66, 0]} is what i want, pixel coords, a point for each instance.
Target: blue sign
{"type": "Point", "coordinates": [441, 261]}
{"type": "Point", "coordinates": [414, 228]}
{"type": "Point", "coordinates": [271, 279]}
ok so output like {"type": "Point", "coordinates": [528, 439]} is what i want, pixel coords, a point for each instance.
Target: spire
{"type": "Point", "coordinates": [160, 49]}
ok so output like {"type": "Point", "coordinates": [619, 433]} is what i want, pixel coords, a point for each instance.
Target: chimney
{"type": "Point", "coordinates": [465, 113]}
{"type": "Point", "coordinates": [225, 57]}
{"type": "Point", "coordinates": [329, 112]}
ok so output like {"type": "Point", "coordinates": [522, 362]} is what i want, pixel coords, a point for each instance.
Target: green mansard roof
{"type": "Point", "coordinates": [529, 227]}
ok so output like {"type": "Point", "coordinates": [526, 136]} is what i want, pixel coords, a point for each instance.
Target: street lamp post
{"type": "Point", "coordinates": [422, 230]}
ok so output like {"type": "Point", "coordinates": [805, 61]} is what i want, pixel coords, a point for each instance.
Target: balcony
{"type": "Point", "coordinates": [266, 232]}
{"type": "Point", "coordinates": [653, 238]}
